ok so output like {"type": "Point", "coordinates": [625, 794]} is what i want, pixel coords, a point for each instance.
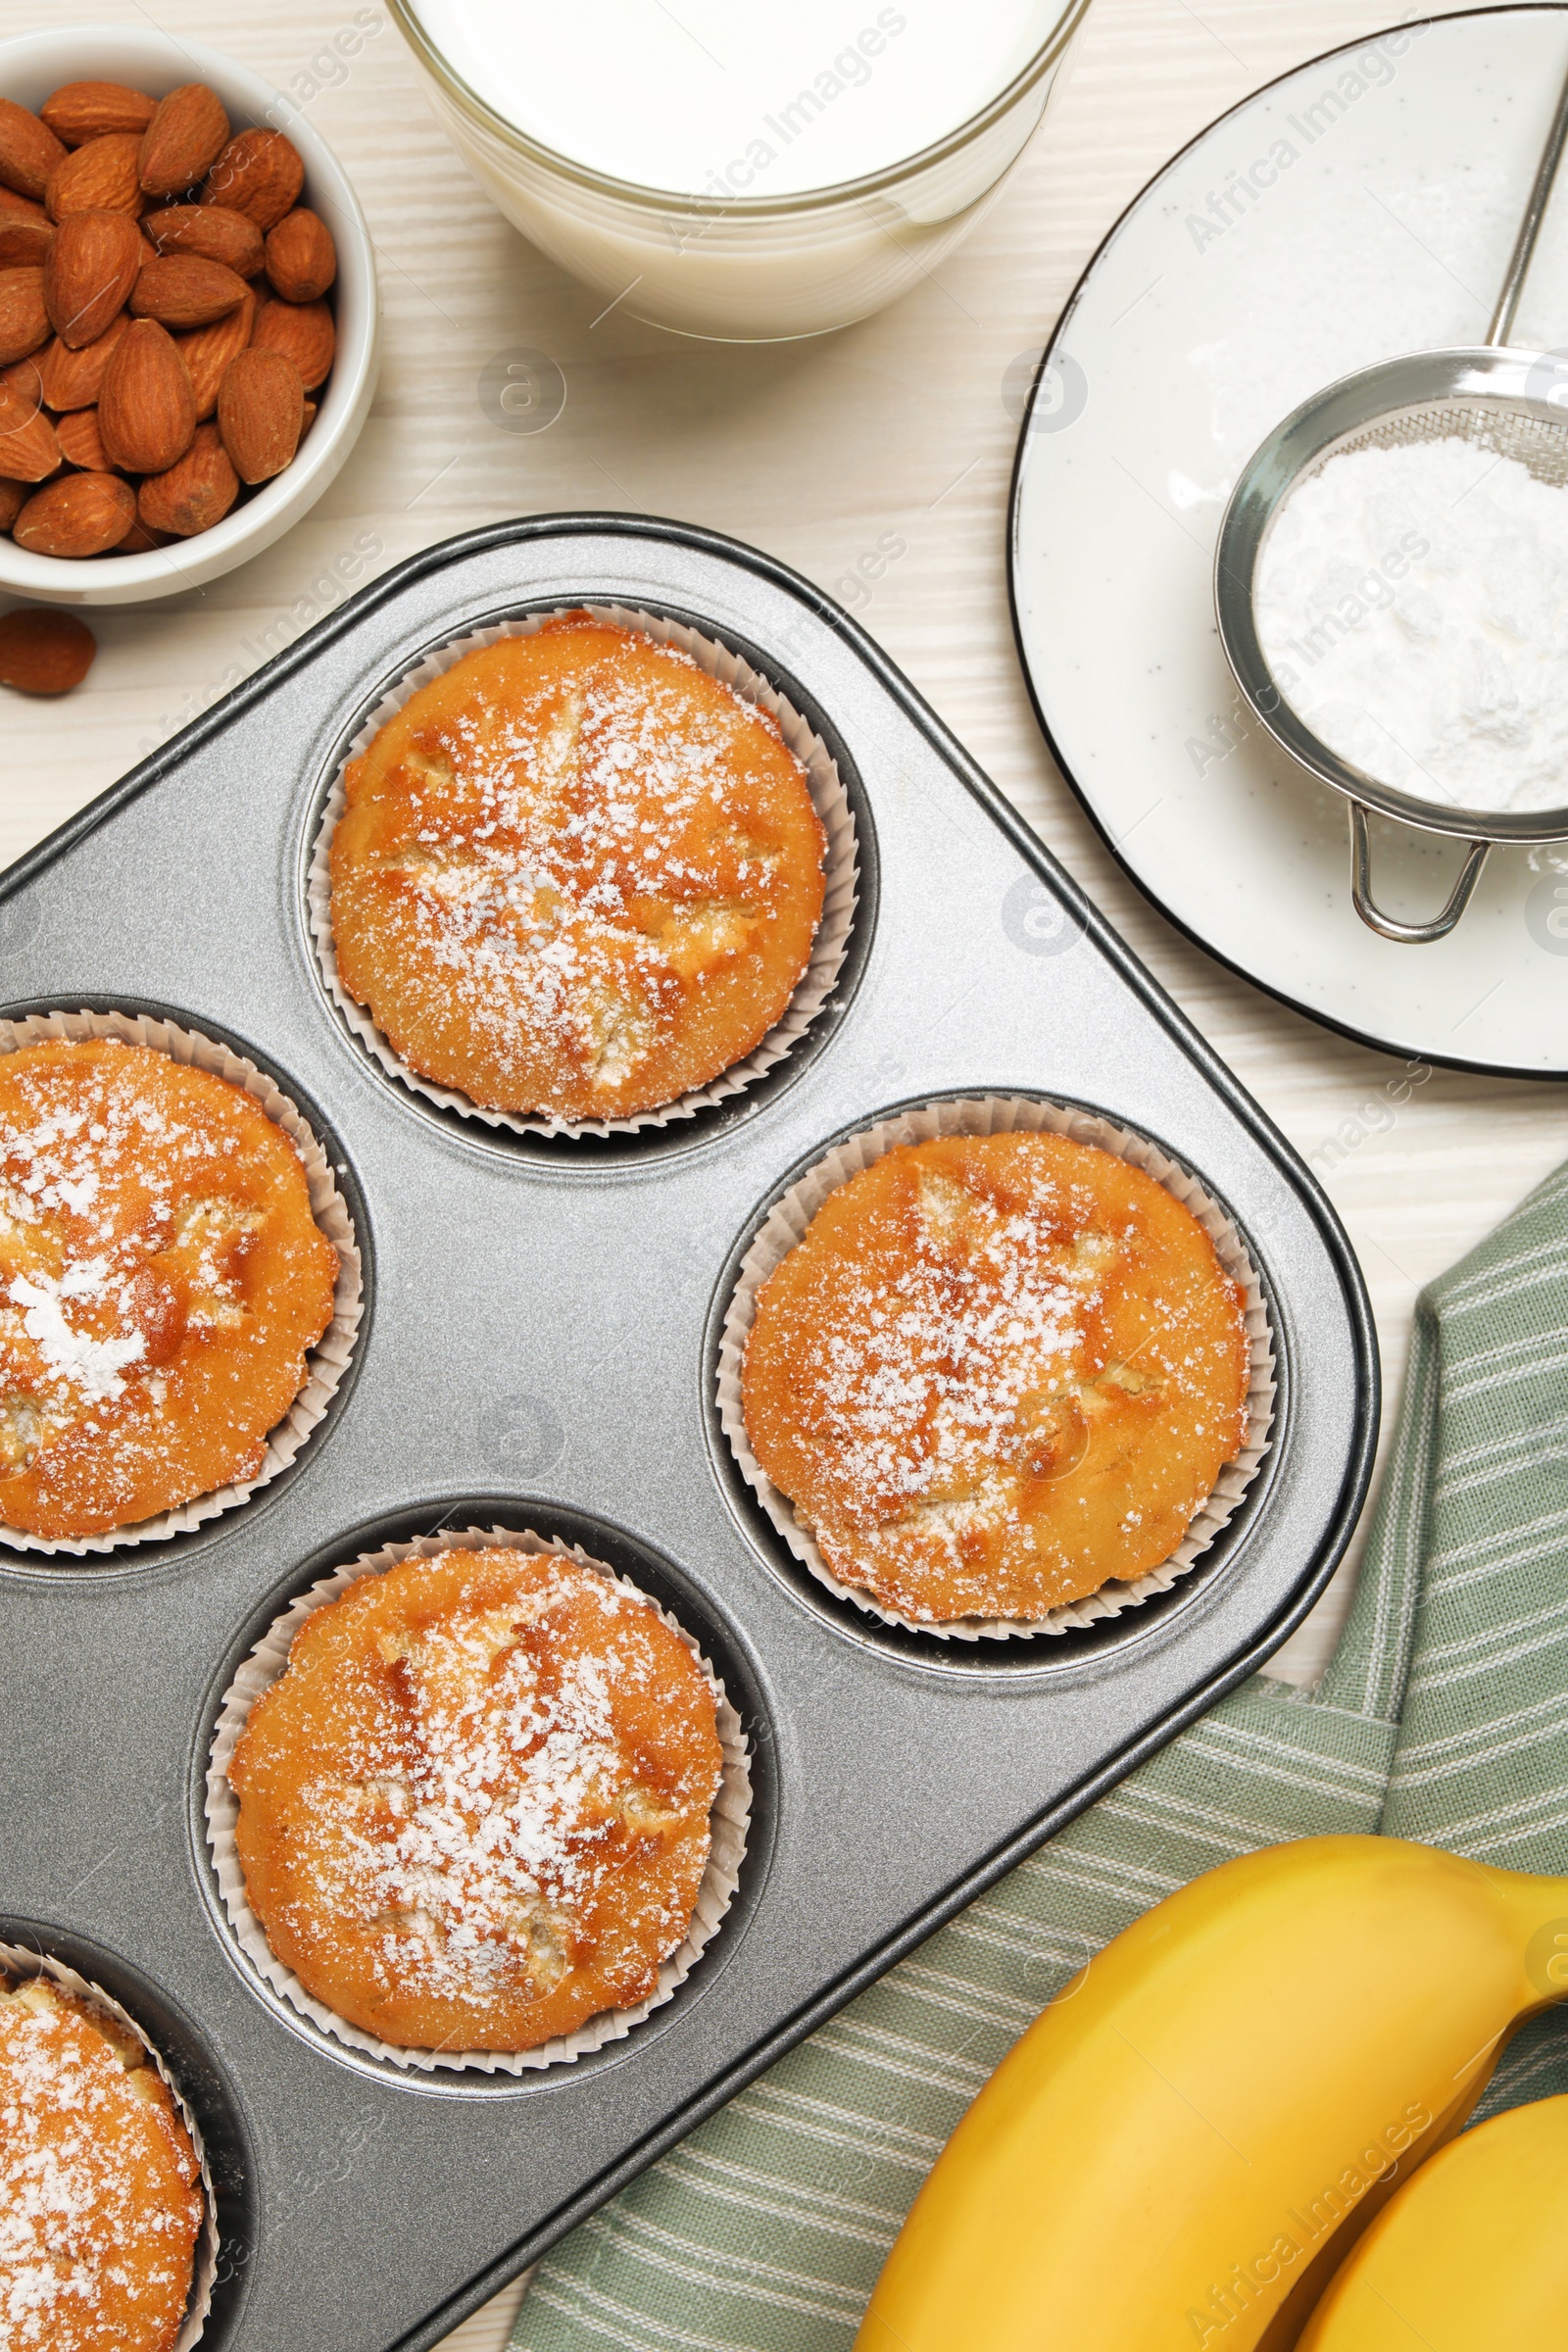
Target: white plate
{"type": "Point", "coordinates": [1384, 229]}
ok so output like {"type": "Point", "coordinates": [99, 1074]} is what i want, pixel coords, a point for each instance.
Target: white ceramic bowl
{"type": "Point", "coordinates": [39, 63]}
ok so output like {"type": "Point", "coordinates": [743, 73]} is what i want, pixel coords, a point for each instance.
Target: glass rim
{"type": "Point", "coordinates": [404, 16]}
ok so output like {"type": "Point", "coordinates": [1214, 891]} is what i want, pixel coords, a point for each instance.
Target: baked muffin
{"type": "Point", "coordinates": [575, 876]}
{"type": "Point", "coordinates": [101, 2203]}
{"type": "Point", "coordinates": [995, 1374]}
{"type": "Point", "coordinates": [160, 1280]}
{"type": "Point", "coordinates": [474, 1811]}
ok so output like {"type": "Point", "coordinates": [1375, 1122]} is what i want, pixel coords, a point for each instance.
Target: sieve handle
{"type": "Point", "coordinates": [1409, 935]}
{"type": "Point", "coordinates": [1513, 284]}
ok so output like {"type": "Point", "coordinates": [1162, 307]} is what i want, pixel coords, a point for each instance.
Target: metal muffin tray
{"type": "Point", "coordinates": [539, 1351]}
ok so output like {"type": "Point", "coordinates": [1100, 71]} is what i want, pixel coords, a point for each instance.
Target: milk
{"type": "Point", "coordinates": [742, 169]}
{"type": "Point", "coordinates": [737, 97]}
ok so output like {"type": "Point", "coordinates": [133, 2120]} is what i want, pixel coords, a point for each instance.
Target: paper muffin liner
{"type": "Point", "coordinates": [730, 1818]}
{"type": "Point", "coordinates": [20, 1962]}
{"type": "Point", "coordinates": [841, 873]}
{"type": "Point", "coordinates": [996, 1114]}
{"type": "Point", "coordinates": [326, 1364]}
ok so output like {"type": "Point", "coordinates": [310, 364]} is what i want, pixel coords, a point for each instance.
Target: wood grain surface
{"type": "Point", "coordinates": [817, 451]}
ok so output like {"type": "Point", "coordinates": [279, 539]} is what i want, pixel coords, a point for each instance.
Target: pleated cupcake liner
{"type": "Point", "coordinates": [730, 1819]}
{"type": "Point", "coordinates": [326, 1364]}
{"type": "Point", "coordinates": [841, 874]}
{"type": "Point", "coordinates": [21, 1963]}
{"type": "Point", "coordinates": [786, 1224]}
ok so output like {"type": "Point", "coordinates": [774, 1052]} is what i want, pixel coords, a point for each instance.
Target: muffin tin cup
{"type": "Point", "coordinates": [996, 1114]}
{"type": "Point", "coordinates": [841, 874]}
{"type": "Point", "coordinates": [326, 1364]}
{"type": "Point", "coordinates": [730, 1818]}
{"type": "Point", "coordinates": [20, 1962]}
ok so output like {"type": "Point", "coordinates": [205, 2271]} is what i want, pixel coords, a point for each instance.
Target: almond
{"type": "Point", "coordinates": [260, 174]}
{"type": "Point", "coordinates": [140, 541]}
{"type": "Point", "coordinates": [194, 494]}
{"type": "Point", "coordinates": [92, 267]}
{"type": "Point", "coordinates": [27, 377]}
{"type": "Point", "coordinates": [181, 291]}
{"type": "Point", "coordinates": [208, 352]}
{"type": "Point", "coordinates": [99, 178]}
{"type": "Point", "coordinates": [44, 651]}
{"type": "Point", "coordinates": [81, 514]}
{"type": "Point", "coordinates": [29, 150]}
{"type": "Point", "coordinates": [186, 135]}
{"type": "Point", "coordinates": [211, 231]}
{"type": "Point", "coordinates": [13, 498]}
{"type": "Point", "coordinates": [20, 208]}
{"type": "Point", "coordinates": [28, 449]}
{"type": "Point", "coordinates": [87, 109]}
{"type": "Point", "coordinates": [80, 441]}
{"type": "Point", "coordinates": [146, 409]}
{"type": "Point", "coordinates": [23, 319]}
{"type": "Point", "coordinates": [74, 379]}
{"type": "Point", "coordinates": [307, 418]}
{"type": "Point", "coordinates": [303, 331]}
{"type": "Point", "coordinates": [301, 256]}
{"type": "Point", "coordinates": [23, 241]}
{"type": "Point", "coordinates": [260, 408]}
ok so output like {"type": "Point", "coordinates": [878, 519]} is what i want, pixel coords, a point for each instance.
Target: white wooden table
{"type": "Point", "coordinates": [812, 450]}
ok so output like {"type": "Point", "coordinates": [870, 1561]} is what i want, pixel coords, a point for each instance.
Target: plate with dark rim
{"type": "Point", "coordinates": [1363, 205]}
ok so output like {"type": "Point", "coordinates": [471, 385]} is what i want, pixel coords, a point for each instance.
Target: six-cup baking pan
{"type": "Point", "coordinates": [539, 1351]}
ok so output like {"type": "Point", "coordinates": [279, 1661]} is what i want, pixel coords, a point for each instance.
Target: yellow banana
{"type": "Point", "coordinates": [1472, 2256]}
{"type": "Point", "coordinates": [1179, 2151]}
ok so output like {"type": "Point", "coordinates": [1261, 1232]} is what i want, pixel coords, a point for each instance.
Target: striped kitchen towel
{"type": "Point", "coordinates": [1443, 1717]}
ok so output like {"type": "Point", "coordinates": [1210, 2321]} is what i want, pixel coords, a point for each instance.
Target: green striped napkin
{"type": "Point", "coordinates": [1443, 1717]}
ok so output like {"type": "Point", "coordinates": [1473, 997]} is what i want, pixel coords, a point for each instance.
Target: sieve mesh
{"type": "Point", "coordinates": [1538, 442]}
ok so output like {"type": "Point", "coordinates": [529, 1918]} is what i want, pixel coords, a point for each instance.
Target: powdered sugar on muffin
{"type": "Point", "coordinates": [162, 1279]}
{"type": "Point", "coordinates": [100, 2199]}
{"type": "Point", "coordinates": [575, 876]}
{"type": "Point", "coordinates": [475, 1811]}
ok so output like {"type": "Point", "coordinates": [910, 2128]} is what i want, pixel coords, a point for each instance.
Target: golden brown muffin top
{"type": "Point", "coordinates": [995, 1374]}
{"type": "Point", "coordinates": [100, 2197]}
{"type": "Point", "coordinates": [161, 1278]}
{"type": "Point", "coordinates": [575, 876]}
{"type": "Point", "coordinates": [474, 1812]}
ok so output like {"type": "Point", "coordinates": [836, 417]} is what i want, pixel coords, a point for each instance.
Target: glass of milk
{"type": "Point", "coordinates": [746, 170]}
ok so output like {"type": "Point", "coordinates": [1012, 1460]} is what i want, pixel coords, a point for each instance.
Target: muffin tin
{"type": "Point", "coordinates": [539, 1351]}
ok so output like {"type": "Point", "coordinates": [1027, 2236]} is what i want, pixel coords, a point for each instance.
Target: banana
{"type": "Point", "coordinates": [1472, 2256]}
{"type": "Point", "coordinates": [1179, 2151]}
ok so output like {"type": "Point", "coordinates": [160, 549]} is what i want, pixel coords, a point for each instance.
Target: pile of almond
{"type": "Point", "coordinates": [164, 324]}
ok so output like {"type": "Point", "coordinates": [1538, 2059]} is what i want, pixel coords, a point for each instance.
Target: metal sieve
{"type": "Point", "coordinates": [1491, 396]}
